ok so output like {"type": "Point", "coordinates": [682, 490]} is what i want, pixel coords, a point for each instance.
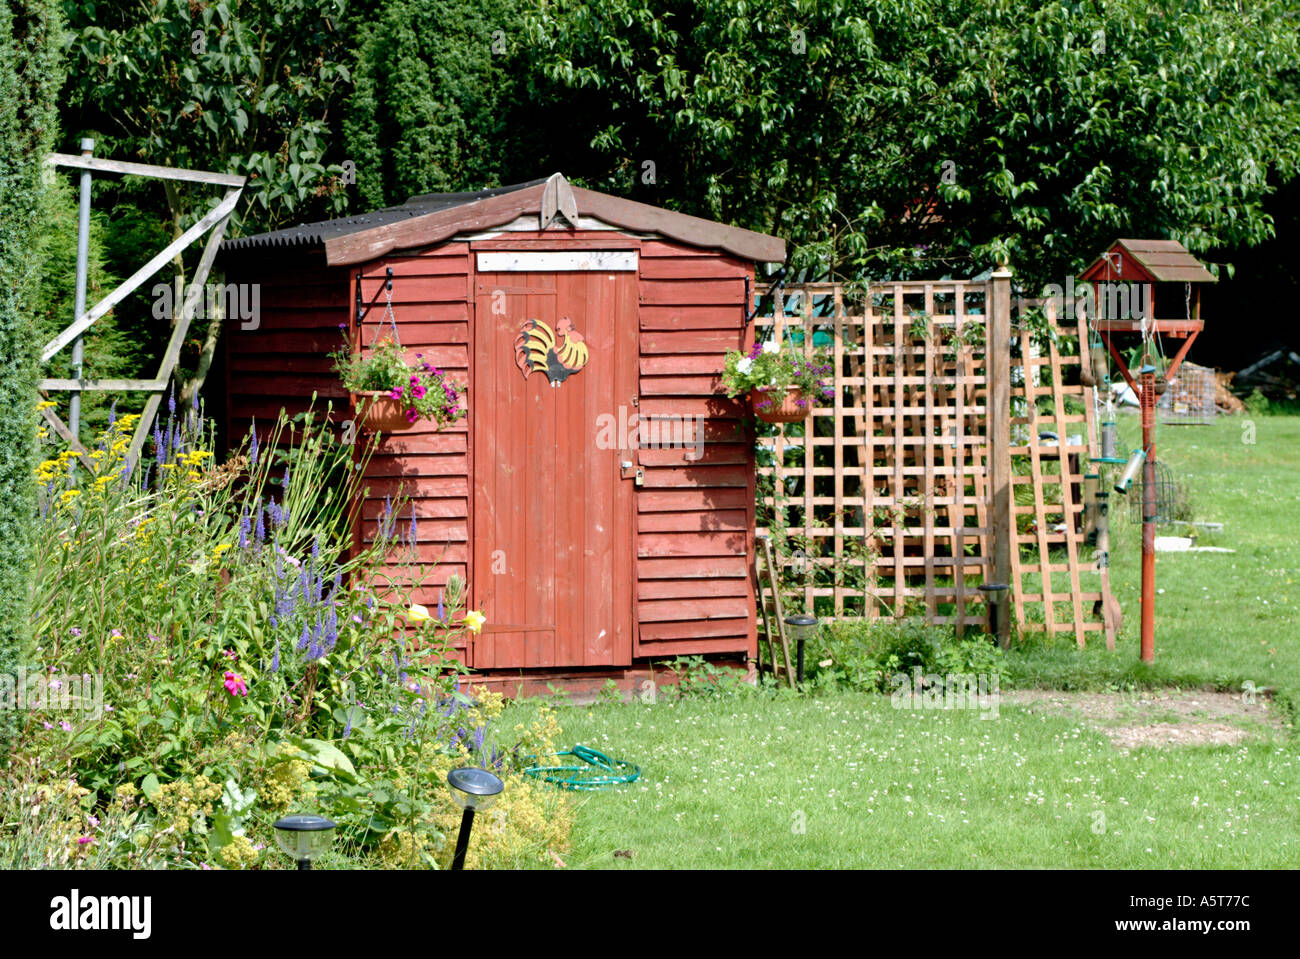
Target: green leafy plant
{"type": "Point", "coordinates": [776, 369]}
{"type": "Point", "coordinates": [425, 391]}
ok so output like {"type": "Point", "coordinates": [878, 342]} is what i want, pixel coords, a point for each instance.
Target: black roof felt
{"type": "Point", "coordinates": [311, 235]}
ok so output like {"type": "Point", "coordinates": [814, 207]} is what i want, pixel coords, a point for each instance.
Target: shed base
{"type": "Point", "coordinates": [584, 685]}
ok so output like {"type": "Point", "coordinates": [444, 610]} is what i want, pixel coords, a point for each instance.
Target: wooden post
{"type": "Point", "coordinates": [1147, 398]}
{"type": "Point", "coordinates": [1000, 518]}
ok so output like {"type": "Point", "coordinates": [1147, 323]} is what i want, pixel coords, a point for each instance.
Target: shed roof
{"type": "Point", "coordinates": [434, 217]}
{"type": "Point", "coordinates": [1165, 261]}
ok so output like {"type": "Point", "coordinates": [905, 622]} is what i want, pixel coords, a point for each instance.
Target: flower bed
{"type": "Point", "coordinates": [209, 655]}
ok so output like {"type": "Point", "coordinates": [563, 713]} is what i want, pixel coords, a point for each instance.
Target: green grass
{"type": "Point", "coordinates": [727, 782]}
{"type": "Point", "coordinates": [1223, 618]}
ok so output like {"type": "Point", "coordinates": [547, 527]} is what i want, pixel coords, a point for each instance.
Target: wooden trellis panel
{"type": "Point", "coordinates": [885, 487]}
{"type": "Point", "coordinates": [1055, 585]}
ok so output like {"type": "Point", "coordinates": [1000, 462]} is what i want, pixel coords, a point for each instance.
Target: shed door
{"type": "Point", "coordinates": [553, 536]}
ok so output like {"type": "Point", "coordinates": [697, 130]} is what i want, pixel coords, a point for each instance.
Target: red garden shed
{"type": "Point", "coordinates": [591, 554]}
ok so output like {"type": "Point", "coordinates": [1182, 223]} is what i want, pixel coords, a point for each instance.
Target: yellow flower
{"type": "Point", "coordinates": [67, 496]}
{"type": "Point", "coordinates": [474, 621]}
{"type": "Point", "coordinates": [45, 404]}
{"type": "Point", "coordinates": [221, 548]}
{"type": "Point", "coordinates": [418, 613]}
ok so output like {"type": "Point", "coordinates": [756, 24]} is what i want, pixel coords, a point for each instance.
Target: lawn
{"type": "Point", "coordinates": [1222, 619]}
{"type": "Point", "coordinates": [842, 779]}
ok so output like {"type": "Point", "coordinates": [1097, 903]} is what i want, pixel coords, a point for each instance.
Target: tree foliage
{"type": "Point", "coordinates": [30, 73]}
{"type": "Point", "coordinates": [241, 86]}
{"type": "Point", "coordinates": [430, 108]}
{"type": "Point", "coordinates": [908, 136]}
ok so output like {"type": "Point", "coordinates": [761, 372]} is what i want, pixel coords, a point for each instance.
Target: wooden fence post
{"type": "Point", "coordinates": [1000, 517]}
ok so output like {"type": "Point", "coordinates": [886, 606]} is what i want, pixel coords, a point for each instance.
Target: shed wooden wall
{"type": "Point", "coordinates": [695, 520]}
{"type": "Point", "coordinates": [694, 590]}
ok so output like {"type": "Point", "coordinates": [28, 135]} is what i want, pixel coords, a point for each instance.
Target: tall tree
{"type": "Point", "coordinates": [906, 136]}
{"type": "Point", "coordinates": [30, 74]}
{"type": "Point", "coordinates": [243, 86]}
{"type": "Point", "coordinates": [431, 108]}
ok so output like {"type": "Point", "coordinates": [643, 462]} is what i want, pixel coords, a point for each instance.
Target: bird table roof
{"type": "Point", "coordinates": [1159, 261]}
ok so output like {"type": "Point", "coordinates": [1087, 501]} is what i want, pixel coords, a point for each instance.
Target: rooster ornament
{"type": "Point", "coordinates": [557, 353]}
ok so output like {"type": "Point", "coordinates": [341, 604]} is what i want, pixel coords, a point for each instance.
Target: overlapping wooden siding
{"type": "Point", "coordinates": [281, 362]}
{"type": "Point", "coordinates": [428, 468]}
{"type": "Point", "coordinates": [694, 515]}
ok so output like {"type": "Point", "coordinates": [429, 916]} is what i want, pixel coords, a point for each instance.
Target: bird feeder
{"type": "Point", "coordinates": [1157, 277]}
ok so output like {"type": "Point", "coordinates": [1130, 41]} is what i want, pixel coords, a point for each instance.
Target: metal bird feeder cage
{"type": "Point", "coordinates": [1169, 505]}
{"type": "Point", "coordinates": [1189, 401]}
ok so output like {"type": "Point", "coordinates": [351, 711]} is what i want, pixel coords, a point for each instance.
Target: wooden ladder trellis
{"type": "Point", "coordinates": [215, 221]}
{"type": "Point", "coordinates": [1052, 546]}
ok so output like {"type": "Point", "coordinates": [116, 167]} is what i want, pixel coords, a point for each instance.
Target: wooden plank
{"type": "Point", "coordinates": [217, 217]}
{"type": "Point", "coordinates": [108, 386]}
{"type": "Point", "coordinates": [121, 167]}
{"type": "Point", "coordinates": [1000, 520]}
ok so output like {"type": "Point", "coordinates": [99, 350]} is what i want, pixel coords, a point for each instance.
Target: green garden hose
{"type": "Point", "coordinates": [612, 772]}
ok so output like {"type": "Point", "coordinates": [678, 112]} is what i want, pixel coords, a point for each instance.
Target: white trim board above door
{"type": "Point", "coordinates": [555, 261]}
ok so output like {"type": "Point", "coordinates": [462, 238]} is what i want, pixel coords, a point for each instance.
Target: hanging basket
{"type": "Point", "coordinates": [773, 407]}
{"type": "Point", "coordinates": [380, 413]}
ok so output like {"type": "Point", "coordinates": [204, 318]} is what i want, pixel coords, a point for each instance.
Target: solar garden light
{"type": "Point", "coordinates": [994, 594]}
{"type": "Point", "coordinates": [304, 837]}
{"type": "Point", "coordinates": [473, 789]}
{"type": "Point", "coordinates": [801, 627]}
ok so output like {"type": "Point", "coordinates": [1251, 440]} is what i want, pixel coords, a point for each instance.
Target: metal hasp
{"type": "Point", "coordinates": [1145, 265]}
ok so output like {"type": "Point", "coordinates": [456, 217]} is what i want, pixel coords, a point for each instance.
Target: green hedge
{"type": "Point", "coordinates": [30, 76]}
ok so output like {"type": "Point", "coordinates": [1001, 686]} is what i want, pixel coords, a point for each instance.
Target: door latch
{"type": "Point", "coordinates": [631, 470]}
